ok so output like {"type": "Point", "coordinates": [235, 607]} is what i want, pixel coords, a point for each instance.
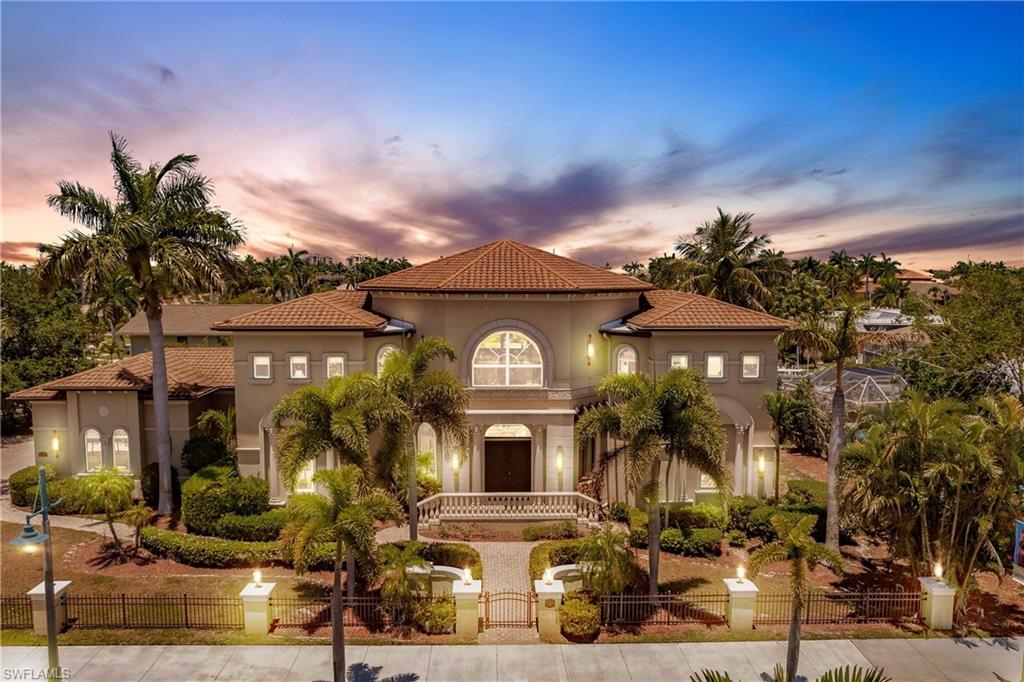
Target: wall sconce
{"type": "Point", "coordinates": [760, 464]}
{"type": "Point", "coordinates": [55, 443]}
{"type": "Point", "coordinates": [467, 576]}
{"type": "Point", "coordinates": [549, 576]}
{"type": "Point", "coordinates": [590, 349]}
{"type": "Point", "coordinates": [456, 461]}
{"type": "Point", "coordinates": [257, 577]}
{"type": "Point", "coordinates": [937, 570]}
{"type": "Point", "coordinates": [741, 572]}
{"type": "Point", "coordinates": [559, 459]}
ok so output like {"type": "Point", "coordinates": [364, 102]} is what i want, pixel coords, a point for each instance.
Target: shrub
{"type": "Point", "coordinates": [580, 619]}
{"type": "Point", "coordinates": [215, 491]}
{"type": "Point", "coordinates": [619, 512]}
{"type": "Point", "coordinates": [263, 527]}
{"type": "Point", "coordinates": [150, 484]}
{"type": "Point", "coordinates": [195, 550]}
{"type": "Point", "coordinates": [672, 541]}
{"type": "Point", "coordinates": [564, 531]}
{"type": "Point", "coordinates": [697, 542]}
{"type": "Point", "coordinates": [702, 515]}
{"type": "Point", "coordinates": [24, 480]}
{"type": "Point", "coordinates": [740, 509]}
{"type": "Point", "coordinates": [805, 492]}
{"type": "Point", "coordinates": [759, 523]}
{"type": "Point", "coordinates": [637, 527]}
{"type": "Point", "coordinates": [202, 451]}
{"type": "Point", "coordinates": [451, 554]}
{"type": "Point", "coordinates": [434, 617]}
{"type": "Point", "coordinates": [427, 485]}
{"type": "Point", "coordinates": [553, 553]}
{"type": "Point", "coordinates": [737, 538]}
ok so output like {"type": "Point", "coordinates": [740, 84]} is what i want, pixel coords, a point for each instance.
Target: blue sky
{"type": "Point", "coordinates": [603, 131]}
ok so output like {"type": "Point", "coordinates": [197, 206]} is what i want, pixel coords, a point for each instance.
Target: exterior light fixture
{"type": "Point", "coordinates": [559, 459]}
{"type": "Point", "coordinates": [590, 349]}
{"type": "Point", "coordinates": [467, 576]}
{"type": "Point", "coordinates": [760, 464]}
{"type": "Point", "coordinates": [257, 577]}
{"type": "Point", "coordinates": [456, 461]}
{"type": "Point", "coordinates": [937, 570]}
{"type": "Point", "coordinates": [29, 539]}
{"type": "Point", "coordinates": [55, 443]}
{"type": "Point", "coordinates": [549, 576]}
{"type": "Point", "coordinates": [741, 572]}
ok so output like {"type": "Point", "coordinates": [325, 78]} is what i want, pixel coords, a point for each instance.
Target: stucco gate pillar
{"type": "Point", "coordinates": [549, 598]}
{"type": "Point", "coordinates": [467, 607]}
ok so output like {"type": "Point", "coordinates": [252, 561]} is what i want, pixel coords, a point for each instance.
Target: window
{"type": "Point", "coordinates": [334, 365]}
{"type": "Point", "coordinates": [714, 365]}
{"type": "Point", "coordinates": [298, 366]}
{"type": "Point", "coordinates": [679, 360]}
{"type": "Point", "coordinates": [508, 358]}
{"type": "Point", "coordinates": [625, 360]}
{"type": "Point", "coordinates": [261, 366]}
{"type": "Point", "coordinates": [93, 451]}
{"type": "Point", "coordinates": [706, 482]}
{"type": "Point", "coordinates": [751, 364]}
{"type": "Point", "coordinates": [304, 479]}
{"type": "Point", "coordinates": [120, 450]}
{"type": "Point", "coordinates": [383, 354]}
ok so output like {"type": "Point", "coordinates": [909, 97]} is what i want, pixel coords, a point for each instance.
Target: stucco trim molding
{"type": "Point", "coordinates": [546, 350]}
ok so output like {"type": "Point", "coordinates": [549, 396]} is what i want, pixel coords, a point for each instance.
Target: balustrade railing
{"type": "Point", "coordinates": [508, 507]}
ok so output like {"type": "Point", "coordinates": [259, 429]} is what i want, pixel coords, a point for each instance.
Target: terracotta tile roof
{"type": "Point", "coordinates": [915, 275]}
{"type": "Point", "coordinates": [505, 266]}
{"type": "Point", "coordinates": [328, 310]}
{"type": "Point", "coordinates": [189, 319]}
{"type": "Point", "coordinates": [191, 373]}
{"type": "Point", "coordinates": [664, 309]}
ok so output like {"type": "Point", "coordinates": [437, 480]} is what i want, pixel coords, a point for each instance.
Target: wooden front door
{"type": "Point", "coordinates": [507, 466]}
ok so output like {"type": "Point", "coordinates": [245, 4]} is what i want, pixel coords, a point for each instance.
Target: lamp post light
{"type": "Point", "coordinates": [29, 540]}
{"type": "Point", "coordinates": [760, 476]}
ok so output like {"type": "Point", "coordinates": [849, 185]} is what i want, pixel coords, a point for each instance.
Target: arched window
{"type": "Point", "coordinates": [93, 450]}
{"type": "Point", "coordinates": [383, 353]}
{"type": "Point", "coordinates": [508, 358]}
{"type": "Point", "coordinates": [426, 443]}
{"type": "Point", "coordinates": [119, 444]}
{"type": "Point", "coordinates": [625, 360]}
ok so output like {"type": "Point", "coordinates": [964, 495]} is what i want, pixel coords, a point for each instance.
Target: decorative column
{"type": "Point", "coordinates": [38, 596]}
{"type": "Point", "coordinates": [738, 472]}
{"type": "Point", "coordinates": [277, 495]}
{"type": "Point", "coordinates": [256, 602]}
{"type": "Point", "coordinates": [473, 471]}
{"type": "Point", "coordinates": [937, 603]}
{"type": "Point", "coordinates": [537, 471]}
{"type": "Point", "coordinates": [740, 611]}
{"type": "Point", "coordinates": [467, 608]}
{"type": "Point", "coordinates": [549, 599]}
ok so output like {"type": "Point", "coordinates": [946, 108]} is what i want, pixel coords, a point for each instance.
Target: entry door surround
{"type": "Point", "coordinates": [508, 465]}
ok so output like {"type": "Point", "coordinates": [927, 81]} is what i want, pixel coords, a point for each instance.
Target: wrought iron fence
{"type": "Point", "coordinates": [155, 611]}
{"type": "Point", "coordinates": [664, 609]}
{"type": "Point", "coordinates": [15, 612]}
{"type": "Point", "coordinates": [838, 608]}
{"type": "Point", "coordinates": [371, 611]}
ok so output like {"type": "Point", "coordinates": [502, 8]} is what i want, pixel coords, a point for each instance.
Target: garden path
{"type": "Point", "coordinates": [11, 514]}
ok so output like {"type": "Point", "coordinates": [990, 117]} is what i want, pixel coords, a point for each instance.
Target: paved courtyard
{"type": "Point", "coordinates": [913, 660]}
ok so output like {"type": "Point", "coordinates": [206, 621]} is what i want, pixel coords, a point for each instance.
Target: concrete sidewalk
{"type": "Point", "coordinates": [908, 660]}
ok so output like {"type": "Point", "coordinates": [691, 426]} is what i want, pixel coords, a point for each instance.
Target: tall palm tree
{"type": "Point", "coordinates": [165, 230]}
{"type": "Point", "coordinates": [723, 260]}
{"type": "Point", "coordinates": [343, 515]}
{"type": "Point", "coordinates": [419, 395]}
{"type": "Point", "coordinates": [221, 424]}
{"type": "Point", "coordinates": [108, 492]}
{"type": "Point", "coordinates": [673, 415]}
{"type": "Point", "coordinates": [835, 337]}
{"type": "Point", "coordinates": [887, 267]}
{"type": "Point", "coordinates": [867, 269]}
{"type": "Point", "coordinates": [777, 406]}
{"type": "Point", "coordinates": [796, 546]}
{"type": "Point", "coordinates": [890, 292]}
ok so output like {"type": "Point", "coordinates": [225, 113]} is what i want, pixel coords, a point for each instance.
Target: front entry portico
{"type": "Point", "coordinates": [507, 465]}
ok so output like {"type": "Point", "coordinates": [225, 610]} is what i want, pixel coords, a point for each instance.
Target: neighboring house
{"type": "Point", "coordinates": [535, 334]}
{"type": "Point", "coordinates": [184, 325]}
{"type": "Point", "coordinates": [103, 417]}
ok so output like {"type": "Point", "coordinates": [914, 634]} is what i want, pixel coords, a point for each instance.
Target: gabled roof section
{"type": "Point", "coordinates": [677, 310]}
{"type": "Point", "coordinates": [190, 319]}
{"type": "Point", "coordinates": [191, 373]}
{"type": "Point", "coordinates": [505, 266]}
{"type": "Point", "coordinates": [326, 311]}
{"type": "Point", "coordinates": [915, 276]}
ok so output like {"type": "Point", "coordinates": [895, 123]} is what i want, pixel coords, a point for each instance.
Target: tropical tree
{"type": "Point", "coordinates": [800, 296]}
{"type": "Point", "coordinates": [608, 566]}
{"type": "Point", "coordinates": [344, 516]}
{"type": "Point", "coordinates": [673, 416]}
{"type": "Point", "coordinates": [867, 270]}
{"type": "Point", "coordinates": [138, 517]}
{"type": "Point", "coordinates": [113, 301]}
{"type": "Point", "coordinates": [890, 293]}
{"type": "Point", "coordinates": [163, 228]}
{"type": "Point", "coordinates": [396, 560]}
{"type": "Point", "coordinates": [108, 492]}
{"type": "Point", "coordinates": [795, 545]}
{"type": "Point", "coordinates": [777, 406]}
{"type": "Point", "coordinates": [221, 424]}
{"type": "Point", "coordinates": [417, 395]}
{"type": "Point", "coordinates": [724, 259]}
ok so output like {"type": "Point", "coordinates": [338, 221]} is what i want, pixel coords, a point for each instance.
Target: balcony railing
{"type": "Point", "coordinates": [508, 507]}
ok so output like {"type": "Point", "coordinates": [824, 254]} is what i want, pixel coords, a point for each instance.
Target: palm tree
{"type": "Point", "coordinates": [220, 424]}
{"type": "Point", "coordinates": [796, 546]}
{"type": "Point", "coordinates": [722, 260]}
{"type": "Point", "coordinates": [890, 292]}
{"type": "Point", "coordinates": [867, 269]}
{"type": "Point", "coordinates": [344, 515]}
{"type": "Point", "coordinates": [633, 269]}
{"type": "Point", "coordinates": [419, 395]}
{"type": "Point", "coordinates": [777, 406]}
{"type": "Point", "coordinates": [608, 566]}
{"type": "Point", "coordinates": [114, 300]}
{"type": "Point", "coordinates": [108, 491]}
{"type": "Point", "coordinates": [396, 560]}
{"type": "Point", "coordinates": [672, 416]}
{"type": "Point", "coordinates": [138, 517]}
{"type": "Point", "coordinates": [164, 229]}
{"type": "Point", "coordinates": [836, 337]}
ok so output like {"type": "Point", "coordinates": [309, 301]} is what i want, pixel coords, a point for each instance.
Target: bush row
{"type": "Point", "coordinates": [699, 542]}
{"type": "Point", "coordinates": [553, 553]}
{"type": "Point", "coordinates": [579, 618]}
{"type": "Point", "coordinates": [217, 491]}
{"type": "Point", "coordinates": [566, 530]}
{"type": "Point", "coordinates": [263, 527]}
{"type": "Point", "coordinates": [23, 482]}
{"type": "Point", "coordinates": [24, 485]}
{"type": "Point", "coordinates": [207, 552]}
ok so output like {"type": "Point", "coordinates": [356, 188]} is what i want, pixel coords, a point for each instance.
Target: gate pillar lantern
{"type": "Point", "coordinates": [467, 607]}
{"type": "Point", "coordinates": [549, 598]}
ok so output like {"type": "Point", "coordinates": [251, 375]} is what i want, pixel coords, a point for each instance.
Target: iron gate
{"type": "Point", "coordinates": [509, 609]}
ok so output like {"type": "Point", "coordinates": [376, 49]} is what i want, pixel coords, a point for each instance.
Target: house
{"type": "Point", "coordinates": [535, 334]}
{"type": "Point", "coordinates": [184, 325]}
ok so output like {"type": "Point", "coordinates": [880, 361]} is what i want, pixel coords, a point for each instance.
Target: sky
{"type": "Point", "coordinates": [602, 131]}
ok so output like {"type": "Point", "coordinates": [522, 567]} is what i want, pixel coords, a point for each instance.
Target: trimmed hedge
{"type": "Point", "coordinates": [740, 510]}
{"type": "Point", "coordinates": [196, 550]}
{"type": "Point", "coordinates": [566, 530]}
{"type": "Point", "coordinates": [200, 452]}
{"type": "Point", "coordinates": [434, 617]}
{"type": "Point", "coordinates": [553, 553]}
{"type": "Point", "coordinates": [263, 527]}
{"type": "Point", "coordinates": [69, 491]}
{"type": "Point", "coordinates": [26, 480]}
{"type": "Point", "coordinates": [453, 554]}
{"type": "Point", "coordinates": [216, 491]}
{"type": "Point", "coordinates": [805, 492]}
{"type": "Point", "coordinates": [580, 620]}
{"type": "Point", "coordinates": [736, 538]}
{"type": "Point", "coordinates": [696, 542]}
{"type": "Point", "coordinates": [684, 515]}
{"type": "Point", "coordinates": [149, 481]}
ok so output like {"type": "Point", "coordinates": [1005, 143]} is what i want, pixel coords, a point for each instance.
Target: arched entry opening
{"type": "Point", "coordinates": [507, 459]}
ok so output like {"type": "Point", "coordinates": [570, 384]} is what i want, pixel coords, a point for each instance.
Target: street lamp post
{"type": "Point", "coordinates": [30, 540]}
